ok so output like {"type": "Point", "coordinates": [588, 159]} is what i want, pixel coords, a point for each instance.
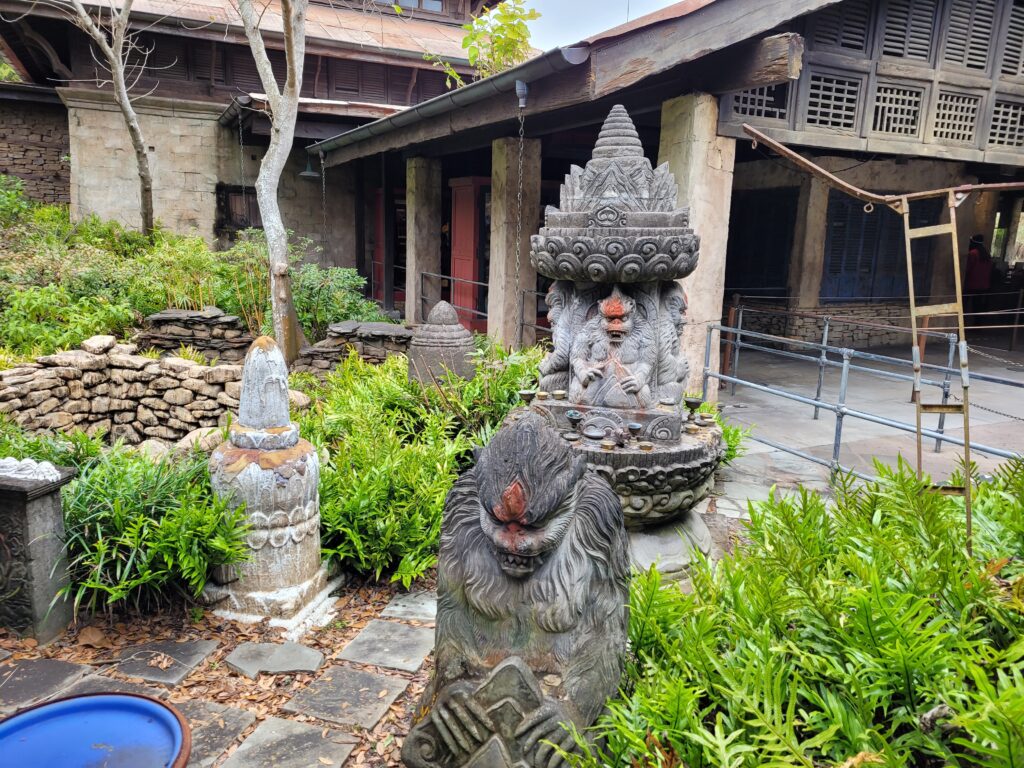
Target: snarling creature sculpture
{"type": "Point", "coordinates": [613, 358]}
{"type": "Point", "coordinates": [673, 369]}
{"type": "Point", "coordinates": [554, 370]}
{"type": "Point", "coordinates": [532, 594]}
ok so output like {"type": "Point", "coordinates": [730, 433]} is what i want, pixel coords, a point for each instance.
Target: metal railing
{"type": "Point", "coordinates": [523, 324]}
{"type": "Point", "coordinates": [846, 363]}
{"type": "Point", "coordinates": [447, 281]}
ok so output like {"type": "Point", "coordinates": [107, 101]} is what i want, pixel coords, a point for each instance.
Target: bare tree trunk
{"type": "Point", "coordinates": [115, 52]}
{"type": "Point", "coordinates": [284, 109]}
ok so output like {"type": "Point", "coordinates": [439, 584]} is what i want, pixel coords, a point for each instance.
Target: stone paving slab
{"type": "Point", "coordinates": [250, 659]}
{"type": "Point", "coordinates": [215, 727]}
{"type": "Point", "coordinates": [103, 684]}
{"type": "Point", "coordinates": [389, 644]}
{"type": "Point", "coordinates": [186, 656]}
{"type": "Point", "coordinates": [347, 696]}
{"type": "Point", "coordinates": [417, 606]}
{"type": "Point", "coordinates": [4, 654]}
{"type": "Point", "coordinates": [279, 743]}
{"type": "Point", "coordinates": [28, 682]}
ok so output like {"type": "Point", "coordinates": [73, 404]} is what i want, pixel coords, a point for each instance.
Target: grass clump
{"type": "Point", "coordinates": [138, 531]}
{"type": "Point", "coordinates": [847, 633]}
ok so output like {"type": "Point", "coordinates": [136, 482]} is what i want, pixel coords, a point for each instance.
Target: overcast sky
{"type": "Point", "coordinates": [563, 22]}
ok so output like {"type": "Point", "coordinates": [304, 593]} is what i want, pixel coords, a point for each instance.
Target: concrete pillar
{"type": "Point", "coordinates": [808, 262]}
{"type": "Point", "coordinates": [422, 236]}
{"type": "Point", "coordinates": [503, 308]}
{"type": "Point", "coordinates": [702, 163]}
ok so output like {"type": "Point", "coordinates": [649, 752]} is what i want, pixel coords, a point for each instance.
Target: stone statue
{"type": "Point", "coordinates": [268, 468]}
{"type": "Point", "coordinates": [532, 605]}
{"type": "Point", "coordinates": [441, 345]}
{"type": "Point", "coordinates": [673, 369]}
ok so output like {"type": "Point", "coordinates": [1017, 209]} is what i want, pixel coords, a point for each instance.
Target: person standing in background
{"type": "Point", "coordinates": [978, 280]}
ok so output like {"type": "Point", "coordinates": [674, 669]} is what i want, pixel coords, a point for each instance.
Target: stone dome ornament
{"type": "Point", "coordinates": [441, 345]}
{"type": "Point", "coordinates": [617, 220]}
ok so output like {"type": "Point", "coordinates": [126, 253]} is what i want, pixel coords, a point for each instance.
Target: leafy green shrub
{"type": "Point", "coordinates": [395, 450]}
{"type": "Point", "coordinates": [136, 530]}
{"type": "Point", "coordinates": [13, 203]}
{"type": "Point", "coordinates": [327, 295]}
{"type": "Point", "coordinates": [41, 320]}
{"type": "Point", "coordinates": [849, 633]}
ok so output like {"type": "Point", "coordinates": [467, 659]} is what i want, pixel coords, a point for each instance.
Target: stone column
{"type": "Point", "coordinates": [423, 193]}
{"type": "Point", "coordinates": [265, 466]}
{"type": "Point", "coordinates": [502, 294]}
{"type": "Point", "coordinates": [808, 262]}
{"type": "Point", "coordinates": [702, 163]}
{"type": "Point", "coordinates": [33, 566]}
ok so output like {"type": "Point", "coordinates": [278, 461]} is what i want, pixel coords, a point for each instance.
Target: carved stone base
{"type": "Point", "coordinates": [294, 609]}
{"type": "Point", "coordinates": [671, 547]}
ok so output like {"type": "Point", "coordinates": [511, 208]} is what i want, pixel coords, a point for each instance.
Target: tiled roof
{"type": "Point", "coordinates": [347, 27]}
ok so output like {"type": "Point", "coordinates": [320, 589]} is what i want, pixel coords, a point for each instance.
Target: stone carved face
{"type": "Point", "coordinates": [617, 315]}
{"type": "Point", "coordinates": [526, 507]}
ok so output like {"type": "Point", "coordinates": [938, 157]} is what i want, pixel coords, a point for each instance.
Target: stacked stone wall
{"type": "Point", "coordinates": [840, 334]}
{"type": "Point", "coordinates": [216, 335]}
{"type": "Point", "coordinates": [106, 387]}
{"type": "Point", "coordinates": [373, 342]}
{"type": "Point", "coordinates": [33, 146]}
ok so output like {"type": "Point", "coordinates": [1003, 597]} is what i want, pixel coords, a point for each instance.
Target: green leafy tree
{"type": "Point", "coordinates": [498, 39]}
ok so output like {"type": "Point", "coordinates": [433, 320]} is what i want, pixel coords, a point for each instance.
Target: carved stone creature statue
{"type": "Point", "coordinates": [673, 368]}
{"type": "Point", "coordinates": [532, 596]}
{"type": "Point", "coordinates": [614, 356]}
{"type": "Point", "coordinates": [554, 369]}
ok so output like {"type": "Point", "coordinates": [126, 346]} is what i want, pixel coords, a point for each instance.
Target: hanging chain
{"type": "Point", "coordinates": [323, 198]}
{"type": "Point", "coordinates": [241, 169]}
{"type": "Point", "coordinates": [519, 207]}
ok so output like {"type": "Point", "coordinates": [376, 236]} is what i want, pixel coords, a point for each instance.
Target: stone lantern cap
{"type": "Point", "coordinates": [617, 220]}
{"type": "Point", "coordinates": [264, 422]}
{"type": "Point", "coordinates": [442, 329]}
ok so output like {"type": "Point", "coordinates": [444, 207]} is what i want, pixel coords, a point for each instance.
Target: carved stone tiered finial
{"type": "Point", "coordinates": [275, 474]}
{"type": "Point", "coordinates": [440, 345]}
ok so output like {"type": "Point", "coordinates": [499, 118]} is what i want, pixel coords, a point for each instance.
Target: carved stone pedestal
{"type": "Point", "coordinates": [33, 567]}
{"type": "Point", "coordinates": [440, 345]}
{"type": "Point", "coordinates": [268, 468]}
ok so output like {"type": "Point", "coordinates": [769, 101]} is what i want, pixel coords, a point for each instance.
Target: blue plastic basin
{"type": "Point", "coordinates": [106, 730]}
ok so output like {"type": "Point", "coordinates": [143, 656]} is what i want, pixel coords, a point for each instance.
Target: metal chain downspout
{"type": "Point", "coordinates": [519, 222]}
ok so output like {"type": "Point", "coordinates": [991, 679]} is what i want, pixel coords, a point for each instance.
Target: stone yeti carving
{"type": "Point", "coordinates": [554, 369]}
{"type": "Point", "coordinates": [614, 356]}
{"type": "Point", "coordinates": [673, 368]}
{"type": "Point", "coordinates": [532, 595]}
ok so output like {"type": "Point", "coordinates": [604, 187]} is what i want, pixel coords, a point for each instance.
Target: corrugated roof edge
{"type": "Point", "coordinates": [556, 60]}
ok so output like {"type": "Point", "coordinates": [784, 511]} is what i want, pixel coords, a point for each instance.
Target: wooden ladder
{"type": "Point", "coordinates": [923, 312]}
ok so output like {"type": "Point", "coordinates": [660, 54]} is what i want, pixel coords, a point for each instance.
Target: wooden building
{"type": "Point", "coordinates": [894, 95]}
{"type": "Point", "coordinates": [201, 111]}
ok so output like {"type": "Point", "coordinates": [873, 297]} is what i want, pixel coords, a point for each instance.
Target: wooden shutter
{"type": "Point", "coordinates": [243, 71]}
{"type": "Point", "coordinates": [345, 74]}
{"type": "Point", "coordinates": [208, 61]}
{"type": "Point", "coordinates": [373, 82]}
{"type": "Point", "coordinates": [168, 59]}
{"type": "Point", "coordinates": [1013, 53]}
{"type": "Point", "coordinates": [844, 25]}
{"type": "Point", "coordinates": [970, 33]}
{"type": "Point", "coordinates": [910, 29]}
{"type": "Point", "coordinates": [761, 240]}
{"type": "Point", "coordinates": [398, 86]}
{"type": "Point", "coordinates": [431, 84]}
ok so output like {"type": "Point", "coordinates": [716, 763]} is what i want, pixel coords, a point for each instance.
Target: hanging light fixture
{"type": "Point", "coordinates": [309, 173]}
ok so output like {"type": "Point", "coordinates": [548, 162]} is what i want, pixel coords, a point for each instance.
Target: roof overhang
{"type": "Point", "coordinates": [695, 45]}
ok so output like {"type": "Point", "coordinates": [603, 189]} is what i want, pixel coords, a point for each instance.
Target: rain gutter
{"type": "Point", "coordinates": [234, 110]}
{"type": "Point", "coordinates": [556, 60]}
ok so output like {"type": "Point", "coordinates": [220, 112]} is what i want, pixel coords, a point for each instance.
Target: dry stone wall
{"type": "Point", "coordinates": [33, 146]}
{"type": "Point", "coordinates": [216, 335]}
{"type": "Point", "coordinates": [105, 387]}
{"type": "Point", "coordinates": [843, 329]}
{"type": "Point", "coordinates": [371, 341]}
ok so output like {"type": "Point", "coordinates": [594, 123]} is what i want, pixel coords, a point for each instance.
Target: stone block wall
{"type": "Point", "coordinates": [840, 334]}
{"type": "Point", "coordinates": [217, 335]}
{"type": "Point", "coordinates": [33, 144]}
{"type": "Point", "coordinates": [105, 386]}
{"type": "Point", "coordinates": [371, 341]}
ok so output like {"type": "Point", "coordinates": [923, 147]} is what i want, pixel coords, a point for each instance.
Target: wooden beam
{"type": "Point", "coordinates": [620, 62]}
{"type": "Point", "coordinates": [14, 61]}
{"type": "Point", "coordinates": [769, 61]}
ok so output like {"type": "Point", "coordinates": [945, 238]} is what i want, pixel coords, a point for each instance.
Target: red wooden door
{"type": "Point", "coordinates": [465, 237]}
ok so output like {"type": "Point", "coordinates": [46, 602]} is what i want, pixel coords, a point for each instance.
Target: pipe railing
{"type": "Point", "coordinates": [734, 335]}
{"type": "Point", "coordinates": [447, 281]}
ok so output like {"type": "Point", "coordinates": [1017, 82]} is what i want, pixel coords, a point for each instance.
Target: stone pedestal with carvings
{"type": "Point", "coordinates": [275, 474]}
{"type": "Point", "coordinates": [33, 566]}
{"type": "Point", "coordinates": [614, 382]}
